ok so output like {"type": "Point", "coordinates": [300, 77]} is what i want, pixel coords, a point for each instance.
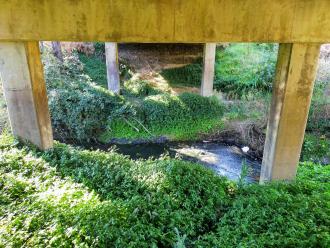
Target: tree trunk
{"type": "Point", "coordinates": [57, 50]}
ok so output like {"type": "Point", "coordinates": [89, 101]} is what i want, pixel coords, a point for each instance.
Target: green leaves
{"type": "Point", "coordinates": [72, 197]}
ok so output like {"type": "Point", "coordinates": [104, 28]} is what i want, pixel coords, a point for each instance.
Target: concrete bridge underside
{"type": "Point", "coordinates": [300, 26]}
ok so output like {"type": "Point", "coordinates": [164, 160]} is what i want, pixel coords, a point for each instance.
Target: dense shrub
{"type": "Point", "coordinates": [71, 197]}
{"type": "Point", "coordinates": [241, 68]}
{"type": "Point", "coordinates": [79, 109]}
{"type": "Point", "coordinates": [278, 215]}
{"type": "Point", "coordinates": [81, 113]}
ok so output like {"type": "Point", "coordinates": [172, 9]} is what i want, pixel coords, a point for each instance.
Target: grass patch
{"type": "Point", "coordinates": [242, 68]}
{"type": "Point", "coordinates": [189, 75]}
{"type": "Point", "coordinates": [72, 197]}
{"type": "Point", "coordinates": [95, 68]}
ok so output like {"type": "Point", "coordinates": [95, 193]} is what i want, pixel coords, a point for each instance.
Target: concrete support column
{"type": "Point", "coordinates": [208, 69]}
{"type": "Point", "coordinates": [111, 54]}
{"type": "Point", "coordinates": [292, 91]}
{"type": "Point", "coordinates": [21, 73]}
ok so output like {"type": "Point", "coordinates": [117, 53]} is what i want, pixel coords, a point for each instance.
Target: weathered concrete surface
{"type": "Point", "coordinates": [111, 54]}
{"type": "Point", "coordinates": [25, 92]}
{"type": "Point", "coordinates": [166, 20]}
{"type": "Point", "coordinates": [292, 91]}
{"type": "Point", "coordinates": [208, 69]}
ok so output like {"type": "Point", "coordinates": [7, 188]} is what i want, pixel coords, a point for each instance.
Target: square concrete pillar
{"type": "Point", "coordinates": [292, 91]}
{"type": "Point", "coordinates": [111, 54]}
{"type": "Point", "coordinates": [21, 73]}
{"type": "Point", "coordinates": [208, 69]}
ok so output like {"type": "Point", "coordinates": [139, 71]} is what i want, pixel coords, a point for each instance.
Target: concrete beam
{"type": "Point", "coordinates": [208, 69]}
{"type": "Point", "coordinates": [172, 21]}
{"type": "Point", "coordinates": [111, 54]}
{"type": "Point", "coordinates": [21, 73]}
{"type": "Point", "coordinates": [292, 92]}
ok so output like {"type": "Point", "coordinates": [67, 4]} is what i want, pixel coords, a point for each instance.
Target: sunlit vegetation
{"type": "Point", "coordinates": [71, 197]}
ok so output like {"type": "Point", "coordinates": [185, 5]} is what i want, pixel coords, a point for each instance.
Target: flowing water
{"type": "Point", "coordinates": [225, 160]}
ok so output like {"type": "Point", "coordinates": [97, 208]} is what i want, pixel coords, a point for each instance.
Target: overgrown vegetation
{"type": "Point", "coordinates": [72, 197]}
{"type": "Point", "coordinates": [241, 68]}
{"type": "Point", "coordinates": [79, 108]}
{"type": "Point", "coordinates": [83, 111]}
{"type": "Point", "coordinates": [177, 117]}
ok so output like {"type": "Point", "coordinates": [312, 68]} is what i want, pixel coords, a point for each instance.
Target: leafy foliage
{"type": "Point", "coordinates": [79, 109]}
{"type": "Point", "coordinates": [72, 197]}
{"type": "Point", "coordinates": [3, 111]}
{"type": "Point", "coordinates": [100, 199]}
{"type": "Point", "coordinates": [278, 215]}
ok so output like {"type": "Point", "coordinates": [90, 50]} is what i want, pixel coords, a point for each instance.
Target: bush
{"type": "Point", "coordinates": [79, 109]}
{"type": "Point", "coordinates": [81, 114]}
{"type": "Point", "coordinates": [72, 197]}
{"type": "Point", "coordinates": [241, 68]}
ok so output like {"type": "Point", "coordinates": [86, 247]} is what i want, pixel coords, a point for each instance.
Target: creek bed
{"type": "Point", "coordinates": [223, 159]}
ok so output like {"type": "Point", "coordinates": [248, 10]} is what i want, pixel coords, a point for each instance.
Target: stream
{"type": "Point", "coordinates": [224, 160]}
